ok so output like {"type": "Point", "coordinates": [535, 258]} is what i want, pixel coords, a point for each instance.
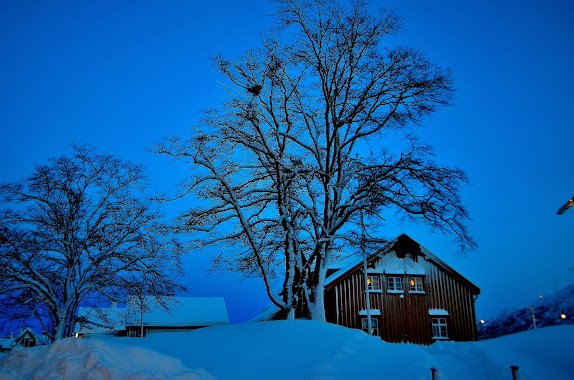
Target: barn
{"type": "Point", "coordinates": [413, 295]}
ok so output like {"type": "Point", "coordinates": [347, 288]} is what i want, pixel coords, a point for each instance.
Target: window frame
{"type": "Point", "coordinates": [370, 283]}
{"type": "Point", "coordinates": [416, 289]}
{"type": "Point", "coordinates": [394, 282]}
{"type": "Point", "coordinates": [439, 328]}
{"type": "Point", "coordinates": [374, 325]}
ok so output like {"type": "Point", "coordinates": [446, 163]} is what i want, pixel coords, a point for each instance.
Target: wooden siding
{"type": "Point", "coordinates": [405, 317]}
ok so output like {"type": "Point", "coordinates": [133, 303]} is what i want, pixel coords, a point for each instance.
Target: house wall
{"type": "Point", "coordinates": [404, 317]}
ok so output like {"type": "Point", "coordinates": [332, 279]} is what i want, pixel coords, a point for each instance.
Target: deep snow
{"type": "Point", "coordinates": [292, 350]}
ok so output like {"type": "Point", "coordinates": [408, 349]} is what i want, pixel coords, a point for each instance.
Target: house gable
{"type": "Point", "coordinates": [409, 281]}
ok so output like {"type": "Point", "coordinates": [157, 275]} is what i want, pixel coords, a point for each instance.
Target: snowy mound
{"type": "Point", "coordinates": [93, 359]}
{"type": "Point", "coordinates": [291, 350]}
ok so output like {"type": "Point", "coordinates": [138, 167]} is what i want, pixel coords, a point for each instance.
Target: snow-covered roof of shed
{"type": "Point", "coordinates": [6, 343]}
{"type": "Point", "coordinates": [184, 311]}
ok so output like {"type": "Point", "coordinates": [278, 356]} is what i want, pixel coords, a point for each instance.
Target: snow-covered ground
{"type": "Point", "coordinates": [293, 350]}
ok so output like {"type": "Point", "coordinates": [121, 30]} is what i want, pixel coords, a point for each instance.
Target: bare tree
{"type": "Point", "coordinates": [74, 231]}
{"type": "Point", "coordinates": [317, 133]}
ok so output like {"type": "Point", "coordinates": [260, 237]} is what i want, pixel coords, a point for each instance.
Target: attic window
{"type": "Point", "coordinates": [374, 282]}
{"type": "Point", "coordinates": [416, 285]}
{"type": "Point", "coordinates": [394, 284]}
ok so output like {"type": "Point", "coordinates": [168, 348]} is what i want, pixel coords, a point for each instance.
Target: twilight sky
{"type": "Point", "coordinates": [122, 75]}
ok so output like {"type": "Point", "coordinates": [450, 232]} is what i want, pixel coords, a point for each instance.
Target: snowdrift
{"type": "Point", "coordinates": [291, 350]}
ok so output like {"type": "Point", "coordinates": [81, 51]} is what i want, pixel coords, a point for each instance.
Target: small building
{"type": "Point", "coordinates": [414, 296]}
{"type": "Point", "coordinates": [181, 314]}
{"type": "Point", "coordinates": [169, 313]}
{"type": "Point", "coordinates": [26, 338]}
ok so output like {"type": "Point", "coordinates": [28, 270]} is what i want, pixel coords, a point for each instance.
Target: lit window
{"type": "Point", "coordinates": [439, 328]}
{"type": "Point", "coordinates": [374, 282]}
{"type": "Point", "coordinates": [374, 326]}
{"type": "Point", "coordinates": [416, 285]}
{"type": "Point", "coordinates": [394, 284]}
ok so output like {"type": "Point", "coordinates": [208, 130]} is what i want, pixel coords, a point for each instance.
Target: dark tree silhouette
{"type": "Point", "coordinates": [74, 231]}
{"type": "Point", "coordinates": [319, 143]}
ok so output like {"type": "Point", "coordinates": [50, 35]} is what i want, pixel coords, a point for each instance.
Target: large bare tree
{"type": "Point", "coordinates": [315, 141]}
{"type": "Point", "coordinates": [77, 230]}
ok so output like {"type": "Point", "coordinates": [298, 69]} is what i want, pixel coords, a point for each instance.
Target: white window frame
{"type": "Point", "coordinates": [392, 280]}
{"type": "Point", "coordinates": [418, 287]}
{"type": "Point", "coordinates": [439, 328]}
{"type": "Point", "coordinates": [374, 282]}
{"type": "Point", "coordinates": [374, 326]}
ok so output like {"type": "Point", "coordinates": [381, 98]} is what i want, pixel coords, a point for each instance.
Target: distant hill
{"type": "Point", "coordinates": [547, 311]}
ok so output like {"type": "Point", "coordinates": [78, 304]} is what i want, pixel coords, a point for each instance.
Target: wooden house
{"type": "Point", "coordinates": [414, 296]}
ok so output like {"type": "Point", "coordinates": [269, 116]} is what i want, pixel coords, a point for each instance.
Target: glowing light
{"type": "Point", "coordinates": [482, 321]}
{"type": "Point", "coordinates": [563, 316]}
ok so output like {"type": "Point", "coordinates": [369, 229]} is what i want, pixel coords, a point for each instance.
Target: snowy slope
{"type": "Point", "coordinates": [292, 350]}
{"type": "Point", "coordinates": [547, 311]}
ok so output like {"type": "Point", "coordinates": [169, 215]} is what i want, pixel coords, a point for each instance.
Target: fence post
{"type": "Point", "coordinates": [515, 373]}
{"type": "Point", "coordinates": [434, 373]}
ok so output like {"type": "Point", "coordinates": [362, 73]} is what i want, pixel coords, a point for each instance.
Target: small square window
{"type": "Point", "coordinates": [374, 282]}
{"type": "Point", "coordinates": [416, 285]}
{"type": "Point", "coordinates": [374, 326]}
{"type": "Point", "coordinates": [439, 328]}
{"type": "Point", "coordinates": [394, 284]}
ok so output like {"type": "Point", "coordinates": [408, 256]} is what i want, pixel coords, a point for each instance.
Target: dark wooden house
{"type": "Point", "coordinates": [414, 296]}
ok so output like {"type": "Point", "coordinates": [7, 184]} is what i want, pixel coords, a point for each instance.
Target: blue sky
{"type": "Point", "coordinates": [122, 75]}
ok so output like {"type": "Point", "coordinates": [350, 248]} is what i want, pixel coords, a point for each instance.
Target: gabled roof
{"type": "Point", "coordinates": [401, 245]}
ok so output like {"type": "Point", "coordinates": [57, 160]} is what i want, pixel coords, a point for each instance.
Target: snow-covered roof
{"type": "Point", "coordinates": [101, 320]}
{"type": "Point", "coordinates": [391, 264]}
{"type": "Point", "coordinates": [183, 311]}
{"type": "Point", "coordinates": [438, 312]}
{"type": "Point", "coordinates": [6, 343]}
{"type": "Point", "coordinates": [372, 312]}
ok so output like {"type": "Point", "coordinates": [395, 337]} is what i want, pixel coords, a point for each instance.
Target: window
{"type": "Point", "coordinates": [439, 330]}
{"type": "Point", "coordinates": [374, 326]}
{"type": "Point", "coordinates": [374, 282]}
{"type": "Point", "coordinates": [416, 285]}
{"type": "Point", "coordinates": [394, 284]}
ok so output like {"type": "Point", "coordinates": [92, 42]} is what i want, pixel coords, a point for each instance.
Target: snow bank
{"type": "Point", "coordinates": [292, 350]}
{"type": "Point", "coordinates": [93, 359]}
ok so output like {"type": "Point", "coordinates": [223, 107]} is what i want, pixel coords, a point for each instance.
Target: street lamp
{"type": "Point", "coordinates": [566, 206]}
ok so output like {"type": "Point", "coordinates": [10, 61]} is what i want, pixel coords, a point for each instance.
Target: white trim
{"type": "Point", "coordinates": [396, 291]}
{"type": "Point", "coordinates": [373, 312]}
